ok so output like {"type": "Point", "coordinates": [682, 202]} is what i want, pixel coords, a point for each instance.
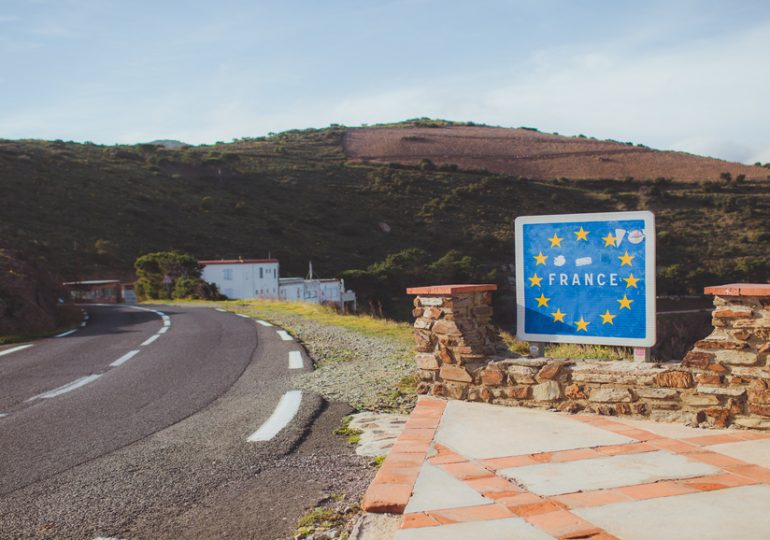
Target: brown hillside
{"type": "Point", "coordinates": [531, 154]}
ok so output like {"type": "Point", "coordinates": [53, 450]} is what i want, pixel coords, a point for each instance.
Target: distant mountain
{"type": "Point", "coordinates": [348, 198]}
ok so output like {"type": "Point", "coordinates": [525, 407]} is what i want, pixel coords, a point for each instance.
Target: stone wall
{"type": "Point", "coordinates": [724, 380]}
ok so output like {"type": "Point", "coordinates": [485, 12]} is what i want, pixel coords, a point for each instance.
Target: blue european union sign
{"type": "Point", "coordinates": [586, 278]}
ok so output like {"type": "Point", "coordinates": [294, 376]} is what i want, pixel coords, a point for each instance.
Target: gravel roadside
{"type": "Point", "coordinates": [372, 373]}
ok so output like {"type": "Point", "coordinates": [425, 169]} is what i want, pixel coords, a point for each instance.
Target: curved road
{"type": "Point", "coordinates": [136, 426]}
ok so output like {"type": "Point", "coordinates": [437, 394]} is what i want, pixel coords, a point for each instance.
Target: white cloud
{"type": "Point", "coordinates": [703, 96]}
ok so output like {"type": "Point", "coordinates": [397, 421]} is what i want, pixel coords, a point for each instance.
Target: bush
{"type": "Point", "coordinates": [181, 268]}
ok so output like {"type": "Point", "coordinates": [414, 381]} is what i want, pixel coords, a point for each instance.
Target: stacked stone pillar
{"type": "Point", "coordinates": [731, 364]}
{"type": "Point", "coordinates": [454, 335]}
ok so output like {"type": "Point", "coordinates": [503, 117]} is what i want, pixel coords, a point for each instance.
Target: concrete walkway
{"type": "Point", "coordinates": [468, 470]}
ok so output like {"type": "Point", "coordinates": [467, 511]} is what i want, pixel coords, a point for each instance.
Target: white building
{"type": "Point", "coordinates": [243, 278]}
{"type": "Point", "coordinates": [259, 278]}
{"type": "Point", "coordinates": [316, 291]}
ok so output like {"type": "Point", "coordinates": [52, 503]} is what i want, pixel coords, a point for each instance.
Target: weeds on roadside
{"type": "Point", "coordinates": [353, 435]}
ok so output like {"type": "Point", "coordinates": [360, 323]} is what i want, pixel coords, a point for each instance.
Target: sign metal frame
{"type": "Point", "coordinates": [649, 267]}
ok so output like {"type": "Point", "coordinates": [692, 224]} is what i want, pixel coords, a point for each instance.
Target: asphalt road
{"type": "Point", "coordinates": [155, 447]}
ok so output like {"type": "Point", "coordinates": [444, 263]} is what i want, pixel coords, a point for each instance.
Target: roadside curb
{"type": "Point", "coordinates": [392, 487]}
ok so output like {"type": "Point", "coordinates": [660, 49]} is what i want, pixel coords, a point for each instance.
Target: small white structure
{"type": "Point", "coordinates": [243, 278]}
{"type": "Point", "coordinates": [291, 289]}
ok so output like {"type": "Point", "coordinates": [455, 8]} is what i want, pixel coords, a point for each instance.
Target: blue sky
{"type": "Point", "coordinates": [683, 75]}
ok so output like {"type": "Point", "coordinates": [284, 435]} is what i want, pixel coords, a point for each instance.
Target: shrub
{"type": "Point", "coordinates": [181, 268]}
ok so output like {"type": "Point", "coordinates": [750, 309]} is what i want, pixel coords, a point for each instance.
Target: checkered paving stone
{"type": "Point", "coordinates": [445, 494]}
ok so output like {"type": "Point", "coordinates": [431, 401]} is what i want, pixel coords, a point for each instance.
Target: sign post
{"type": "Point", "coordinates": [586, 278]}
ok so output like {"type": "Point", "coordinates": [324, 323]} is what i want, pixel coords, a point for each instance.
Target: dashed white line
{"type": "Point", "coordinates": [3, 414]}
{"type": "Point", "coordinates": [64, 334]}
{"type": "Point", "coordinates": [83, 324]}
{"type": "Point", "coordinates": [242, 315]}
{"type": "Point", "coordinates": [285, 335]}
{"type": "Point", "coordinates": [125, 358]}
{"type": "Point", "coordinates": [149, 340]}
{"type": "Point", "coordinates": [264, 323]}
{"type": "Point", "coordinates": [19, 348]}
{"type": "Point", "coordinates": [163, 330]}
{"type": "Point", "coordinates": [220, 309]}
{"type": "Point", "coordinates": [284, 412]}
{"type": "Point", "coordinates": [295, 360]}
{"type": "Point", "coordinates": [67, 387]}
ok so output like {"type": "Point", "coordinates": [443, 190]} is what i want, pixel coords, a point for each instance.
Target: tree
{"type": "Point", "coordinates": [171, 274]}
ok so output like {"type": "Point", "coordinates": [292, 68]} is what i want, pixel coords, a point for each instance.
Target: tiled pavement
{"type": "Point", "coordinates": [469, 470]}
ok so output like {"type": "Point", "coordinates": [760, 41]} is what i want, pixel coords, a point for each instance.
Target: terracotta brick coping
{"type": "Point", "coordinates": [740, 289]}
{"type": "Point", "coordinates": [452, 289]}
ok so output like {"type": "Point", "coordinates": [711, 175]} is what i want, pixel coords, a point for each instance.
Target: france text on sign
{"type": "Point", "coordinates": [586, 278]}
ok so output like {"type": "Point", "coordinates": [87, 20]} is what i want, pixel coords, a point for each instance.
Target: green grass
{"type": "Point", "coordinates": [318, 517]}
{"type": "Point", "coordinates": [363, 324]}
{"type": "Point", "coordinates": [569, 350]}
{"type": "Point", "coordinates": [377, 461]}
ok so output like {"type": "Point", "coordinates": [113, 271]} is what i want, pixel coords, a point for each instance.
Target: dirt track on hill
{"type": "Point", "coordinates": [528, 153]}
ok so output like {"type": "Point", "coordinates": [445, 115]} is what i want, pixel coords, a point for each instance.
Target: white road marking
{"type": "Point", "coordinates": [166, 321]}
{"type": "Point", "coordinates": [63, 334]}
{"type": "Point", "coordinates": [87, 316]}
{"type": "Point", "coordinates": [220, 309]}
{"type": "Point", "coordinates": [125, 358]}
{"type": "Point", "coordinates": [83, 324]}
{"type": "Point", "coordinates": [284, 412]}
{"type": "Point", "coordinates": [149, 340]}
{"type": "Point", "coordinates": [242, 315]}
{"type": "Point", "coordinates": [3, 414]}
{"type": "Point", "coordinates": [82, 381]}
{"type": "Point", "coordinates": [19, 348]}
{"type": "Point", "coordinates": [164, 330]}
{"type": "Point", "coordinates": [295, 360]}
{"type": "Point", "coordinates": [285, 335]}
{"type": "Point", "coordinates": [264, 323]}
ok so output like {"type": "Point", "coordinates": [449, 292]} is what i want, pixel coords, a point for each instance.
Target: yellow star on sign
{"type": "Point", "coordinates": [630, 281]}
{"type": "Point", "coordinates": [535, 280]}
{"type": "Point", "coordinates": [626, 259]}
{"type": "Point", "coordinates": [607, 317]}
{"type": "Point", "coordinates": [625, 302]}
{"type": "Point", "coordinates": [540, 258]}
{"type": "Point", "coordinates": [542, 301]}
{"type": "Point", "coordinates": [582, 324]}
{"type": "Point", "coordinates": [558, 316]}
{"type": "Point", "coordinates": [609, 240]}
{"type": "Point", "coordinates": [555, 240]}
{"type": "Point", "coordinates": [582, 234]}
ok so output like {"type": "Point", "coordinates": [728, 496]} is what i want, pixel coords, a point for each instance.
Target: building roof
{"type": "Point", "coordinates": [239, 261]}
{"type": "Point", "coordinates": [291, 280]}
{"type": "Point", "coordinates": [92, 282]}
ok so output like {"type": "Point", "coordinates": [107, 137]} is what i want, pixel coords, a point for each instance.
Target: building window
{"type": "Point", "coordinates": [228, 274]}
{"type": "Point", "coordinates": [260, 272]}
